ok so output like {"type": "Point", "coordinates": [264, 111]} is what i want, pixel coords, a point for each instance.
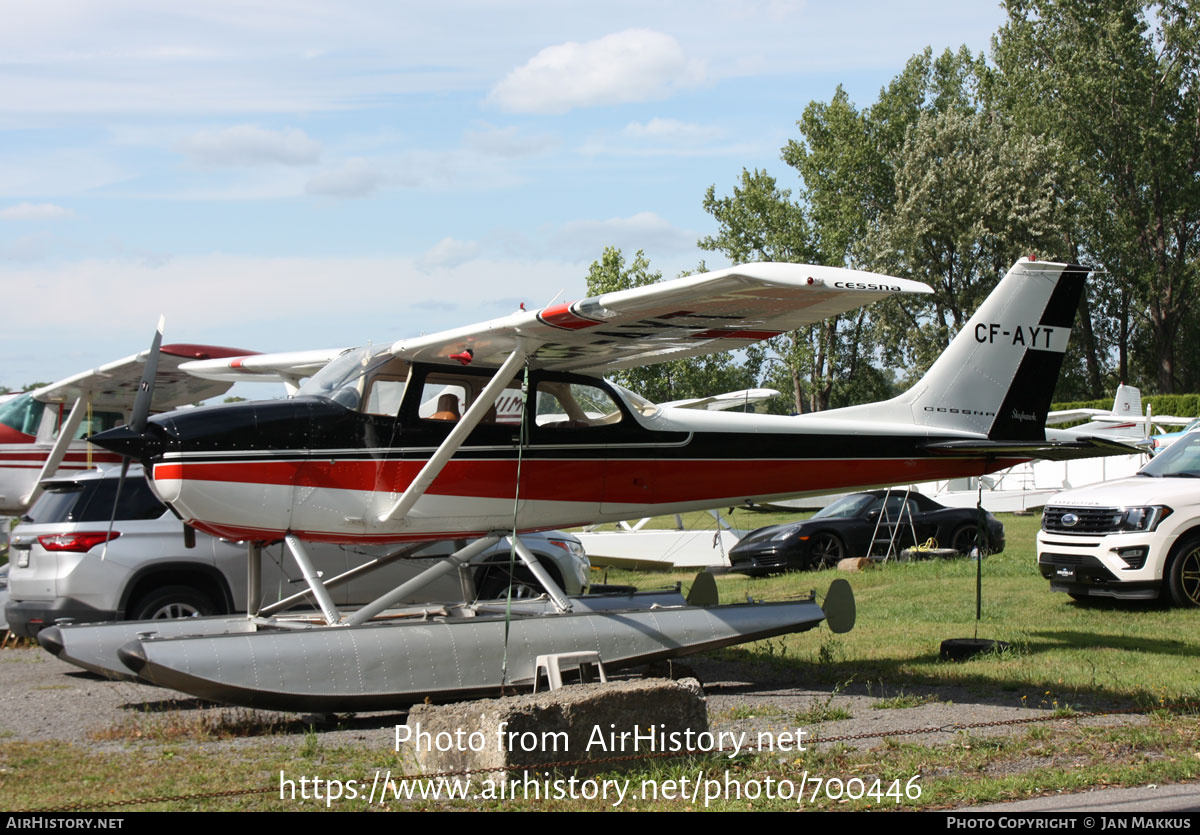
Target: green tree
{"type": "Point", "coordinates": [971, 196]}
{"type": "Point", "coordinates": [1116, 81]}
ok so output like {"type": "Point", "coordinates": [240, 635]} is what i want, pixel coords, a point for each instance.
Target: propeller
{"type": "Point", "coordinates": [137, 438]}
{"type": "Point", "coordinates": [138, 420]}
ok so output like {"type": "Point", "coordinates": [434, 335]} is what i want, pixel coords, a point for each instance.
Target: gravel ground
{"type": "Point", "coordinates": [42, 698]}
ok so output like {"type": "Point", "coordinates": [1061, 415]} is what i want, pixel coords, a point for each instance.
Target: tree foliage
{"type": "Point", "coordinates": [1079, 141]}
{"type": "Point", "coordinates": [1116, 82]}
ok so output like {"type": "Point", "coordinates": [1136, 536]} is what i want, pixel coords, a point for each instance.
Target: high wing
{"type": "Point", "coordinates": [289, 367]}
{"type": "Point", "coordinates": [113, 386]}
{"type": "Point", "coordinates": [699, 314]}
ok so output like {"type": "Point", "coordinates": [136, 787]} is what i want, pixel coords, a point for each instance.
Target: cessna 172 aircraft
{"type": "Point", "coordinates": [353, 458]}
{"type": "Point", "coordinates": [42, 431]}
{"type": "Point", "coordinates": [360, 455]}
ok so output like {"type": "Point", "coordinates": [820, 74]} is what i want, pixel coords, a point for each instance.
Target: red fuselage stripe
{"type": "Point", "coordinates": [574, 480]}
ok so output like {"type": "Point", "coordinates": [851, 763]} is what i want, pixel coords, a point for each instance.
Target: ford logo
{"type": "Point", "coordinates": [1069, 520]}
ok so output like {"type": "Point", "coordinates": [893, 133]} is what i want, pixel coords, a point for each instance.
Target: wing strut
{"type": "Point", "coordinates": [332, 615]}
{"type": "Point", "coordinates": [406, 590]}
{"type": "Point", "coordinates": [487, 398]}
{"type": "Point", "coordinates": [65, 433]}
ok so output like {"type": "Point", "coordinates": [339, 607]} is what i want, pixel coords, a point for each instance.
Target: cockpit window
{"type": "Point", "coordinates": [22, 413]}
{"type": "Point", "coordinates": [345, 380]}
{"type": "Point", "coordinates": [635, 401]}
{"type": "Point", "coordinates": [575, 405]}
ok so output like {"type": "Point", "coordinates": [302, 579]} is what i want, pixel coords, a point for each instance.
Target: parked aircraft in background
{"type": "Point", "coordinates": [42, 431]}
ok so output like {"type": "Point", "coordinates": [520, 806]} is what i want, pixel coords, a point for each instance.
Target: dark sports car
{"type": "Point", "coordinates": [852, 527]}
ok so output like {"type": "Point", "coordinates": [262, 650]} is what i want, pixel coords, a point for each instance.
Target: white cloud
{"type": "Point", "coordinates": [356, 178]}
{"type": "Point", "coordinates": [634, 65]}
{"type": "Point", "coordinates": [586, 239]}
{"type": "Point", "coordinates": [284, 303]}
{"type": "Point", "coordinates": [449, 252]}
{"type": "Point", "coordinates": [57, 172]}
{"type": "Point", "coordinates": [35, 211]}
{"type": "Point", "coordinates": [671, 130]}
{"type": "Point", "coordinates": [244, 145]}
{"type": "Point", "coordinates": [506, 142]}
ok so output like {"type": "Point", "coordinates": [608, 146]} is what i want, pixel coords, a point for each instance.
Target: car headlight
{"type": "Point", "coordinates": [574, 548]}
{"type": "Point", "coordinates": [784, 534]}
{"type": "Point", "coordinates": [1137, 519]}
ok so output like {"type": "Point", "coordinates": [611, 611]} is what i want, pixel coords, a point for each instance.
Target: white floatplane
{"type": "Point", "coordinates": [354, 458]}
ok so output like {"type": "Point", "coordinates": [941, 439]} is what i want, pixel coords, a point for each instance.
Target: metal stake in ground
{"type": "Point", "coordinates": [960, 649]}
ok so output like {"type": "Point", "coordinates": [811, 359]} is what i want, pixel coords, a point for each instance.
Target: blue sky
{"type": "Point", "coordinates": [302, 174]}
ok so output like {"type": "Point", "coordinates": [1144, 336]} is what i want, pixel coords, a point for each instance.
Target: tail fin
{"type": "Point", "coordinates": [998, 374]}
{"type": "Point", "coordinates": [1128, 402]}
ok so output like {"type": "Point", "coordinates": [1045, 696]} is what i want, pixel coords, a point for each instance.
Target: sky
{"type": "Point", "coordinates": [278, 176]}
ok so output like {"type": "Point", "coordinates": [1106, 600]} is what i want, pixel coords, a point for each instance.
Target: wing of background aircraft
{"type": "Point", "coordinates": [720, 402]}
{"type": "Point", "coordinates": [1068, 415]}
{"type": "Point", "coordinates": [700, 314]}
{"type": "Point", "coordinates": [288, 367]}
{"type": "Point", "coordinates": [113, 386]}
{"type": "Point", "coordinates": [105, 393]}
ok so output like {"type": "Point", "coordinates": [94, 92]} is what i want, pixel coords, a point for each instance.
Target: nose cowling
{"type": "Point", "coordinates": [261, 425]}
{"type": "Point", "coordinates": [141, 446]}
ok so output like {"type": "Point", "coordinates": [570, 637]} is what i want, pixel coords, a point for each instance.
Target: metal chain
{"type": "Point", "coordinates": [657, 755]}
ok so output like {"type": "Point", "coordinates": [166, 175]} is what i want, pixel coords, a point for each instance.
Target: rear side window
{"type": "Point", "coordinates": [92, 501]}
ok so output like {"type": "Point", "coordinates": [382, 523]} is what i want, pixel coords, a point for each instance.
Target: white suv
{"type": "Point", "coordinates": [1133, 538]}
{"type": "Point", "coordinates": [60, 566]}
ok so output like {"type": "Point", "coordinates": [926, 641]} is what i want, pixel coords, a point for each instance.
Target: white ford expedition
{"type": "Point", "coordinates": [1134, 538]}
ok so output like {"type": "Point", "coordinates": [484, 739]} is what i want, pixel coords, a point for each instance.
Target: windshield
{"type": "Point", "coordinates": [22, 413]}
{"type": "Point", "coordinates": [342, 379]}
{"type": "Point", "coordinates": [1180, 460]}
{"type": "Point", "coordinates": [635, 401]}
{"type": "Point", "coordinates": [847, 507]}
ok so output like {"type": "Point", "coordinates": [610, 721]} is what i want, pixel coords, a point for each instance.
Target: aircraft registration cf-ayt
{"type": "Point", "coordinates": [407, 443]}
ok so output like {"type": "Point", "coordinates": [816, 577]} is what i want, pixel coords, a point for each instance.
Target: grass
{"type": "Point", "coordinates": [903, 700]}
{"type": "Point", "coordinates": [171, 721]}
{"type": "Point", "coordinates": [1104, 652]}
{"type": "Point", "coordinates": [971, 769]}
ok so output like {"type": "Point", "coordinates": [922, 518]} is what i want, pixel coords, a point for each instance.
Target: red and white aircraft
{"type": "Point", "coordinates": [42, 431]}
{"type": "Point", "coordinates": [361, 454]}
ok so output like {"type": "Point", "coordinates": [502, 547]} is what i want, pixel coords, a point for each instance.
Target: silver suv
{"type": "Point", "coordinates": [65, 562]}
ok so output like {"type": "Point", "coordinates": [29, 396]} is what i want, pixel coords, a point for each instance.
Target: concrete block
{"type": "Point", "coordinates": [576, 724]}
{"type": "Point", "coordinates": [855, 564]}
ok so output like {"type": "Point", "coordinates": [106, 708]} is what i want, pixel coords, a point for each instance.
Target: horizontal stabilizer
{"type": "Point", "coordinates": [1090, 447]}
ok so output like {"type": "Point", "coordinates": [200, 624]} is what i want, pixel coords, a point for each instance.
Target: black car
{"type": "Point", "coordinates": [852, 527]}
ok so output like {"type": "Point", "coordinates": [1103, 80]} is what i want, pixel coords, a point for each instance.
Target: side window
{"type": "Point", "coordinates": [98, 422]}
{"type": "Point", "coordinates": [383, 396]}
{"type": "Point", "coordinates": [575, 406]}
{"type": "Point", "coordinates": [508, 407]}
{"type": "Point", "coordinates": [441, 400]}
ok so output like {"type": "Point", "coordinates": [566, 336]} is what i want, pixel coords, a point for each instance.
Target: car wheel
{"type": "Point", "coordinates": [825, 551]}
{"type": "Point", "coordinates": [1184, 574]}
{"type": "Point", "coordinates": [964, 539]}
{"type": "Point", "coordinates": [172, 602]}
{"type": "Point", "coordinates": [492, 583]}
